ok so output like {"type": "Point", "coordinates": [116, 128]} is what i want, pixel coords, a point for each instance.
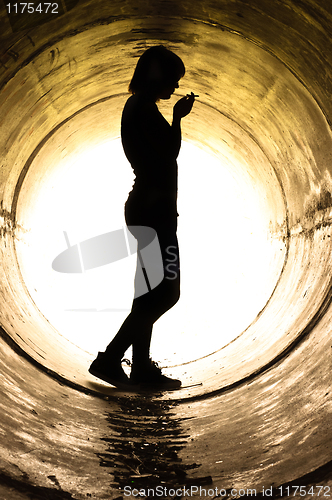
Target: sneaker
{"type": "Point", "coordinates": [151, 378]}
{"type": "Point", "coordinates": [109, 371]}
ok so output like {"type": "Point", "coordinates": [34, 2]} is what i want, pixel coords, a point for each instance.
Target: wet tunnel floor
{"type": "Point", "coordinates": [61, 443]}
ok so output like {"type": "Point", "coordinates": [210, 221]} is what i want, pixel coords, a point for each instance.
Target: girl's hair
{"type": "Point", "coordinates": [156, 69]}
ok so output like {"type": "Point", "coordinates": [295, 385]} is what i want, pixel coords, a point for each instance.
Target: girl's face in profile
{"type": "Point", "coordinates": [167, 91]}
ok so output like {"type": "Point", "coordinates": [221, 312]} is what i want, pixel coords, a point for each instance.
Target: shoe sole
{"type": "Point", "coordinates": [150, 386]}
{"type": "Point", "coordinates": [109, 380]}
{"type": "Point", "coordinates": [133, 387]}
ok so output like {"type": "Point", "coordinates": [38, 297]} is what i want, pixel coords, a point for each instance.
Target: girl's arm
{"type": "Point", "coordinates": [181, 109]}
{"type": "Point", "coordinates": [148, 136]}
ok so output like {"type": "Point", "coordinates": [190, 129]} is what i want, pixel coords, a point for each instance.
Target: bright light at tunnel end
{"type": "Point", "coordinates": [224, 260]}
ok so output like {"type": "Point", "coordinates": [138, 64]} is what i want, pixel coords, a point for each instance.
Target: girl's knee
{"type": "Point", "coordinates": [177, 296]}
{"type": "Point", "coordinates": [174, 294]}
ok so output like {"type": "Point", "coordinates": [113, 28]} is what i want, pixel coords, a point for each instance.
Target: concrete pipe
{"type": "Point", "coordinates": [250, 337]}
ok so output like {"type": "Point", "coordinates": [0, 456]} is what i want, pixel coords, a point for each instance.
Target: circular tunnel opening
{"type": "Point", "coordinates": [263, 125]}
{"type": "Point", "coordinates": [224, 235]}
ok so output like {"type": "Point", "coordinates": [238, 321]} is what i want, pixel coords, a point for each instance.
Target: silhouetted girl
{"type": "Point", "coordinates": [151, 145]}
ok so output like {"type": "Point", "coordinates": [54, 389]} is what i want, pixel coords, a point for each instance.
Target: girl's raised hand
{"type": "Point", "coordinates": [183, 107]}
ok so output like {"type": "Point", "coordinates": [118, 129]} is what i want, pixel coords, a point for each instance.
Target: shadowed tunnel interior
{"type": "Point", "coordinates": [255, 409]}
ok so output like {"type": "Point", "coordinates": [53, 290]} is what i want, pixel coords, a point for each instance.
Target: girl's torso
{"type": "Point", "coordinates": [150, 146]}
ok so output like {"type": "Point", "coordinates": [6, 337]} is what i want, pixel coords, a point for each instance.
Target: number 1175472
{"type": "Point", "coordinates": [31, 8]}
{"type": "Point", "coordinates": [313, 491]}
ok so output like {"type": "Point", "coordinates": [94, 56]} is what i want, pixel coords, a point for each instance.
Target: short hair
{"type": "Point", "coordinates": [157, 68]}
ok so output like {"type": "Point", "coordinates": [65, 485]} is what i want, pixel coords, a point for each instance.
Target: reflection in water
{"type": "Point", "coordinates": [143, 449]}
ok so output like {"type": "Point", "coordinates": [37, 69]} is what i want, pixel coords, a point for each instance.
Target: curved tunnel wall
{"type": "Point", "coordinates": [262, 73]}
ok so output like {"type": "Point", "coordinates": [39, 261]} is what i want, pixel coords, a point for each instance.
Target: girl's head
{"type": "Point", "coordinates": [157, 73]}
